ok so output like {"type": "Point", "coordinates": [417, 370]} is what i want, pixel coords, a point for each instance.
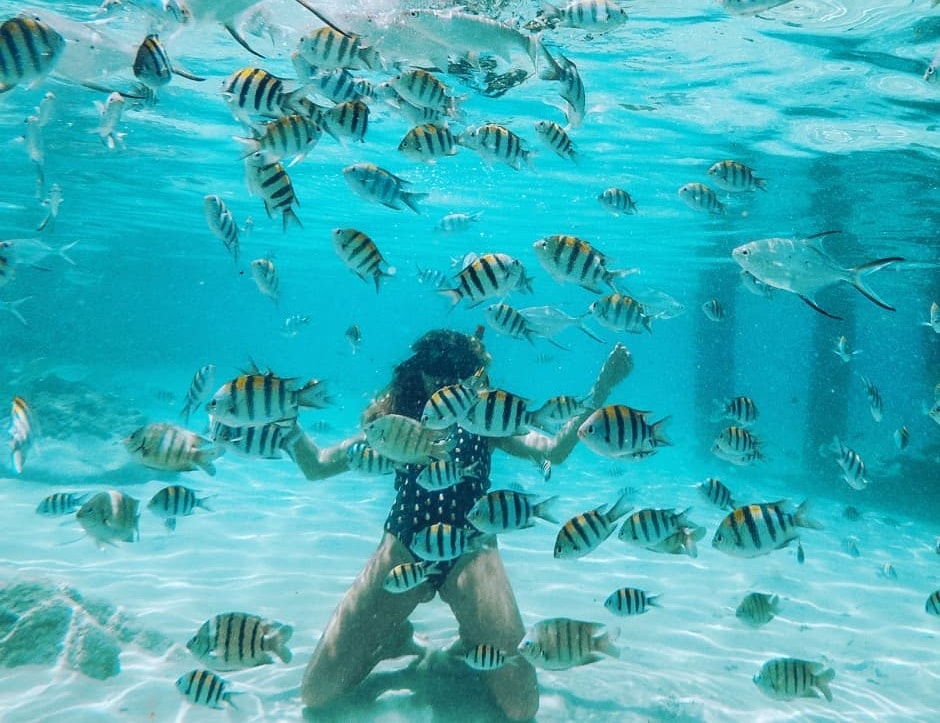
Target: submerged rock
{"type": "Point", "coordinates": [44, 623]}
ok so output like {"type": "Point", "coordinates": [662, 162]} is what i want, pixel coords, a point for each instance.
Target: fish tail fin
{"type": "Point", "coordinates": [17, 460]}
{"type": "Point", "coordinates": [11, 306]}
{"type": "Point", "coordinates": [606, 643]}
{"type": "Point", "coordinates": [453, 294]}
{"type": "Point", "coordinates": [240, 40]}
{"type": "Point", "coordinates": [761, 183]}
{"type": "Point", "coordinates": [823, 678]}
{"type": "Point", "coordinates": [279, 643]}
{"type": "Point", "coordinates": [61, 252]}
{"type": "Point", "coordinates": [621, 507]}
{"type": "Point", "coordinates": [543, 510]}
{"type": "Point", "coordinates": [291, 217]}
{"type": "Point", "coordinates": [205, 457]}
{"type": "Point", "coordinates": [659, 434]}
{"type": "Point", "coordinates": [858, 272]}
{"type": "Point", "coordinates": [801, 517]}
{"type": "Point", "coordinates": [411, 200]}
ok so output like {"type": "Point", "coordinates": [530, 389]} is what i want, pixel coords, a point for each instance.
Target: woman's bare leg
{"type": "Point", "coordinates": [368, 626]}
{"type": "Point", "coordinates": [479, 593]}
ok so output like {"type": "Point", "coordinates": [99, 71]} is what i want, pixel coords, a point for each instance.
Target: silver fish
{"type": "Point", "coordinates": [23, 430]}
{"type": "Point", "coordinates": [109, 115]}
{"type": "Point", "coordinates": [199, 389]}
{"type": "Point", "coordinates": [701, 198]}
{"type": "Point", "coordinates": [172, 448]}
{"type": "Point", "coordinates": [802, 267]}
{"type": "Point", "coordinates": [221, 223]}
{"type": "Point", "coordinates": [264, 273]}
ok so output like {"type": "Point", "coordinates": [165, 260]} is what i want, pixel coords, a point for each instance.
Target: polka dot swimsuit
{"type": "Point", "coordinates": [416, 508]}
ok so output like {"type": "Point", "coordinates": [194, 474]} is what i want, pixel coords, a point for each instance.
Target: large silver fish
{"type": "Point", "coordinates": [802, 267]}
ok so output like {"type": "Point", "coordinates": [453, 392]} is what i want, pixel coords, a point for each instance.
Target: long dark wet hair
{"type": "Point", "coordinates": [442, 355]}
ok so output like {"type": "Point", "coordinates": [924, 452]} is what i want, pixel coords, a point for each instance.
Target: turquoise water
{"type": "Point", "coordinates": [824, 99]}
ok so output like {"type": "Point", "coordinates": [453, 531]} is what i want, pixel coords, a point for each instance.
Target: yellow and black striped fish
{"type": "Point", "coordinates": [263, 441]}
{"type": "Point", "coordinates": [650, 526]}
{"type": "Point", "coordinates": [557, 139]}
{"type": "Point", "coordinates": [742, 410]}
{"type": "Point", "coordinates": [221, 223]}
{"type": "Point", "coordinates": [788, 678]}
{"type": "Point", "coordinates": [152, 65]}
{"type": "Point", "coordinates": [498, 413]}
{"type": "Point", "coordinates": [271, 182]}
{"type": "Point", "coordinates": [701, 198]}
{"type": "Point", "coordinates": [256, 92]}
{"type": "Point", "coordinates": [61, 503]}
{"type": "Point", "coordinates": [349, 119]}
{"type": "Point", "coordinates": [361, 255]}
{"type": "Point", "coordinates": [630, 601]}
{"type": "Point", "coordinates": [290, 136]}
{"type": "Point", "coordinates": [489, 276]}
{"type": "Point", "coordinates": [619, 312]}
{"type": "Point", "coordinates": [757, 608]}
{"type": "Point", "coordinates": [504, 319]}
{"type": "Point", "coordinates": [172, 448]}
{"type": "Point", "coordinates": [110, 516]}
{"type": "Point", "coordinates": [376, 184]}
{"type": "Point", "coordinates": [254, 399]}
{"type": "Point", "coordinates": [759, 529]}
{"type": "Point", "coordinates": [425, 90]}
{"type": "Point", "coordinates": [441, 542]}
{"type": "Point", "coordinates": [443, 473]}
{"type": "Point", "coordinates": [404, 439]}
{"type": "Point", "coordinates": [176, 501]}
{"type": "Point", "coordinates": [621, 431]}
{"type": "Point", "coordinates": [717, 493]}
{"type": "Point", "coordinates": [203, 687]}
{"type": "Point", "coordinates": [737, 445]}
{"type": "Point", "coordinates": [408, 575]}
{"type": "Point", "coordinates": [360, 456]}
{"type": "Point", "coordinates": [485, 657]}
{"type": "Point", "coordinates": [232, 641]}
{"type": "Point", "coordinates": [583, 533]}
{"type": "Point", "coordinates": [563, 643]}
{"type": "Point", "coordinates": [494, 142]}
{"type": "Point", "coordinates": [448, 404]}
{"type": "Point", "coordinates": [428, 142]}
{"type": "Point", "coordinates": [199, 389]}
{"type": "Point", "coordinates": [735, 176]}
{"type": "Point", "coordinates": [23, 431]}
{"type": "Point", "coordinates": [29, 50]}
{"type": "Point", "coordinates": [507, 510]}
{"type": "Point", "coordinates": [569, 258]}
{"type": "Point", "coordinates": [617, 201]}
{"type": "Point", "coordinates": [875, 403]}
{"type": "Point", "coordinates": [328, 48]}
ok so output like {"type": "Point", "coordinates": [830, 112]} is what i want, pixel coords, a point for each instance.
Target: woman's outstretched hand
{"type": "Point", "coordinates": [618, 365]}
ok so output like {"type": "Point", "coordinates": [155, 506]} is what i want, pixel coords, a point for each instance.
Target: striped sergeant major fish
{"type": "Point", "coordinates": [360, 456]}
{"type": "Point", "coordinates": [494, 142]}
{"type": "Point", "coordinates": [507, 510]}
{"type": "Point", "coordinates": [735, 176]}
{"type": "Point", "coordinates": [902, 437]}
{"type": "Point", "coordinates": [650, 526]}
{"type": "Point", "coordinates": [700, 197]}
{"type": "Point", "coordinates": [203, 687]}
{"type": "Point", "coordinates": [442, 474]}
{"type": "Point", "coordinates": [110, 516]}
{"type": "Point", "coordinates": [851, 464]}
{"type": "Point", "coordinates": [557, 139]}
{"type": "Point", "coordinates": [233, 641]}
{"type": "Point", "coordinates": [405, 440]}
{"type": "Point", "coordinates": [714, 490]}
{"type": "Point", "coordinates": [617, 430]}
{"type": "Point", "coordinates": [563, 643]}
{"type": "Point", "coordinates": [617, 201]}
{"type": "Point", "coordinates": [378, 185]}
{"type": "Point", "coordinates": [271, 183]}
{"type": "Point", "coordinates": [23, 431]}
{"type": "Point", "coordinates": [199, 390]}
{"type": "Point", "coordinates": [587, 14]}
{"type": "Point", "coordinates": [505, 320]}
{"type": "Point", "coordinates": [427, 142]}
{"type": "Point", "coordinates": [290, 136]}
{"type": "Point", "coordinates": [932, 606]}
{"type": "Point", "coordinates": [339, 85]}
{"type": "Point", "coordinates": [441, 542]}
{"type": "Point", "coordinates": [152, 65]}
{"type": "Point", "coordinates": [457, 222]}
{"type": "Point", "coordinates": [619, 312]}
{"type": "Point", "coordinates": [253, 92]}
{"type": "Point", "coordinates": [172, 448]}
{"type": "Point", "coordinates": [449, 404]}
{"type": "Point", "coordinates": [713, 310]}
{"type": "Point", "coordinates": [262, 441]}
{"type": "Point", "coordinates": [630, 601]}
{"type": "Point", "coordinates": [328, 48]}
{"type": "Point", "coordinates": [498, 413]}
{"type": "Point", "coordinates": [488, 276]}
{"type": "Point", "coordinates": [742, 410]}
{"type": "Point", "coordinates": [565, 72]}
{"type": "Point", "coordinates": [583, 533]}
{"type": "Point", "coordinates": [737, 445]}
{"type": "Point", "coordinates": [759, 529]}
{"type": "Point", "coordinates": [361, 256]}
{"type": "Point", "coordinates": [254, 399]}
{"type": "Point", "coordinates": [875, 403]}
{"type": "Point", "coordinates": [425, 90]}
{"type": "Point", "coordinates": [485, 657]}
{"type": "Point", "coordinates": [221, 223]}
{"type": "Point", "coordinates": [59, 504]}
{"type": "Point", "coordinates": [29, 50]}
{"type": "Point", "coordinates": [788, 678]}
{"type": "Point", "coordinates": [264, 273]}
{"type": "Point", "coordinates": [176, 501]}
{"type": "Point", "coordinates": [569, 258]}
{"type": "Point", "coordinates": [803, 267]}
{"type": "Point", "coordinates": [346, 120]}
{"type": "Point", "coordinates": [408, 575]}
{"type": "Point", "coordinates": [757, 608]}
{"type": "Point", "coordinates": [559, 409]}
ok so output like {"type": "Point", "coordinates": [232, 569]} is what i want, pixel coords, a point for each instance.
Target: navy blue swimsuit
{"type": "Point", "coordinates": [416, 508]}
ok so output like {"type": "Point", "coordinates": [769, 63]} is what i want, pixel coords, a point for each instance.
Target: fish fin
{"type": "Point", "coordinates": [238, 39]}
{"type": "Point", "coordinates": [822, 682]}
{"type": "Point", "coordinates": [170, 523]}
{"type": "Point", "coordinates": [801, 519]}
{"type": "Point", "coordinates": [279, 640]}
{"type": "Point", "coordinates": [543, 510]}
{"type": "Point", "coordinates": [411, 200]}
{"type": "Point", "coordinates": [453, 294]}
{"type": "Point", "coordinates": [183, 73]}
{"type": "Point", "coordinates": [659, 436]}
{"type": "Point", "coordinates": [869, 268]}
{"type": "Point", "coordinates": [821, 234]}
{"type": "Point", "coordinates": [818, 308]}
{"type": "Point", "coordinates": [320, 17]}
